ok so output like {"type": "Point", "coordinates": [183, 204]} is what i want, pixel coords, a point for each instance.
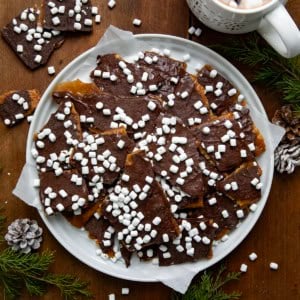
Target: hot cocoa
{"type": "Point", "coordinates": [245, 4]}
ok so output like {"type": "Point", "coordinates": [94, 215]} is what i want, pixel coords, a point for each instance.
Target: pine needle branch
{"type": "Point", "coordinates": [209, 287]}
{"type": "Point", "coordinates": [31, 271]}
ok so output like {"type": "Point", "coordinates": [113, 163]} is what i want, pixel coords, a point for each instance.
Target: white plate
{"type": "Point", "coordinates": [77, 242]}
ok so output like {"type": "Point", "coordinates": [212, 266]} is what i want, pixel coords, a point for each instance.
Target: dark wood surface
{"type": "Point", "coordinates": [275, 237]}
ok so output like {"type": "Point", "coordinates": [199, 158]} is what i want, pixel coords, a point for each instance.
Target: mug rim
{"type": "Point", "coordinates": [243, 10]}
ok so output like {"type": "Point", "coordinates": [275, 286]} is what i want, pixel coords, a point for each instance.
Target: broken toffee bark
{"type": "Point", "coordinates": [187, 101]}
{"type": "Point", "coordinates": [55, 141]}
{"type": "Point", "coordinates": [243, 185]}
{"type": "Point", "coordinates": [29, 40]}
{"type": "Point", "coordinates": [63, 193]}
{"type": "Point", "coordinates": [116, 76]}
{"type": "Point", "coordinates": [17, 105]}
{"type": "Point", "coordinates": [193, 243]}
{"type": "Point", "coordinates": [137, 207]}
{"type": "Point", "coordinates": [101, 157]}
{"type": "Point", "coordinates": [173, 150]}
{"type": "Point", "coordinates": [223, 143]}
{"type": "Point", "coordinates": [68, 15]}
{"type": "Point", "coordinates": [220, 93]}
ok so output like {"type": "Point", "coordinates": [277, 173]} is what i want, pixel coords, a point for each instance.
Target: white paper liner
{"type": "Point", "coordinates": [109, 43]}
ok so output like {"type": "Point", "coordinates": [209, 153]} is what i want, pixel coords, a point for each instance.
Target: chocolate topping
{"type": "Point", "coordinates": [247, 182]}
{"type": "Point", "coordinates": [16, 105]}
{"type": "Point", "coordinates": [60, 192]}
{"type": "Point", "coordinates": [100, 229]}
{"type": "Point", "coordinates": [67, 15]}
{"type": "Point", "coordinates": [104, 111]}
{"type": "Point", "coordinates": [101, 157]}
{"type": "Point", "coordinates": [192, 244]}
{"type": "Point", "coordinates": [223, 143]}
{"type": "Point", "coordinates": [31, 42]}
{"type": "Point", "coordinates": [54, 143]}
{"type": "Point", "coordinates": [126, 76]}
{"type": "Point", "coordinates": [140, 195]}
{"type": "Point", "coordinates": [192, 109]}
{"type": "Point", "coordinates": [214, 205]}
{"type": "Point", "coordinates": [178, 165]}
{"type": "Point", "coordinates": [223, 101]}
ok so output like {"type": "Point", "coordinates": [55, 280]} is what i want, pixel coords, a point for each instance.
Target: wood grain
{"type": "Point", "coordinates": [275, 237]}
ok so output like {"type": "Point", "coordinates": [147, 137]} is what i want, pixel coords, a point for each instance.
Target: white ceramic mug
{"type": "Point", "coordinates": [271, 20]}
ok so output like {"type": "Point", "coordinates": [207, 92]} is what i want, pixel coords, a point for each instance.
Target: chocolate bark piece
{"type": "Point", "coordinates": [54, 143]}
{"type": "Point", "coordinates": [252, 133]}
{"type": "Point", "coordinates": [137, 207]}
{"type": "Point", "coordinates": [194, 242]}
{"type": "Point", "coordinates": [102, 112]}
{"type": "Point", "coordinates": [188, 101]}
{"type": "Point", "coordinates": [62, 194]}
{"type": "Point", "coordinates": [17, 105]}
{"type": "Point", "coordinates": [220, 92]}
{"type": "Point", "coordinates": [101, 230]}
{"type": "Point", "coordinates": [243, 185]}
{"type": "Point", "coordinates": [32, 43]}
{"type": "Point", "coordinates": [101, 157]}
{"type": "Point", "coordinates": [167, 67]}
{"type": "Point", "coordinates": [175, 157]}
{"type": "Point", "coordinates": [68, 15]}
{"type": "Point", "coordinates": [223, 143]}
{"type": "Point", "coordinates": [116, 76]}
{"type": "Point", "coordinates": [221, 210]}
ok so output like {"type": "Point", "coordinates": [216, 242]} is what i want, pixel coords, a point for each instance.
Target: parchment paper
{"type": "Point", "coordinates": [110, 42]}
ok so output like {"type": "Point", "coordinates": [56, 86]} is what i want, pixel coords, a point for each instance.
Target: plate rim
{"type": "Point", "coordinates": [148, 37]}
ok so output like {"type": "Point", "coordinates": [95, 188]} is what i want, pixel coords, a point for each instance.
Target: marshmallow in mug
{"type": "Point", "coordinates": [245, 4]}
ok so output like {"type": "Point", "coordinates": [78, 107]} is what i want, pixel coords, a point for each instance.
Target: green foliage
{"type": "Point", "coordinates": [271, 69]}
{"type": "Point", "coordinates": [31, 271]}
{"type": "Point", "coordinates": [209, 287]}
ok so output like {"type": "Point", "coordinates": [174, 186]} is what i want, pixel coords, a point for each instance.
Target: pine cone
{"type": "Point", "coordinates": [285, 118]}
{"type": "Point", "coordinates": [287, 157]}
{"type": "Point", "coordinates": [24, 235]}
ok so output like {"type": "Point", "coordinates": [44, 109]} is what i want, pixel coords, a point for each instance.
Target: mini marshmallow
{"type": "Point", "coordinates": [137, 22]}
{"type": "Point", "coordinates": [243, 268]}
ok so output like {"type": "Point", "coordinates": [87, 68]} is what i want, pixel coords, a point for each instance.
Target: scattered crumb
{"type": "Point", "coordinates": [274, 266]}
{"type": "Point", "coordinates": [29, 118]}
{"type": "Point", "coordinates": [97, 19]}
{"type": "Point", "coordinates": [198, 32]}
{"type": "Point", "coordinates": [191, 30]}
{"type": "Point", "coordinates": [51, 70]}
{"type": "Point", "coordinates": [243, 268]}
{"type": "Point", "coordinates": [111, 3]}
{"type": "Point", "coordinates": [111, 297]}
{"type": "Point", "coordinates": [253, 256]}
{"type": "Point", "coordinates": [125, 291]}
{"type": "Point", "coordinates": [137, 22]}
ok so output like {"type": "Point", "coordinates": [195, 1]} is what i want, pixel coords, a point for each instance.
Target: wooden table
{"type": "Point", "coordinates": [275, 237]}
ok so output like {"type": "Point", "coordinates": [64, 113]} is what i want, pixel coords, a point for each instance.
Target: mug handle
{"type": "Point", "coordinates": [280, 31]}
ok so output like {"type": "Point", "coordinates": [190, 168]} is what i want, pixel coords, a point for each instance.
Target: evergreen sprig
{"type": "Point", "coordinates": [209, 287]}
{"type": "Point", "coordinates": [271, 69]}
{"type": "Point", "coordinates": [31, 271]}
